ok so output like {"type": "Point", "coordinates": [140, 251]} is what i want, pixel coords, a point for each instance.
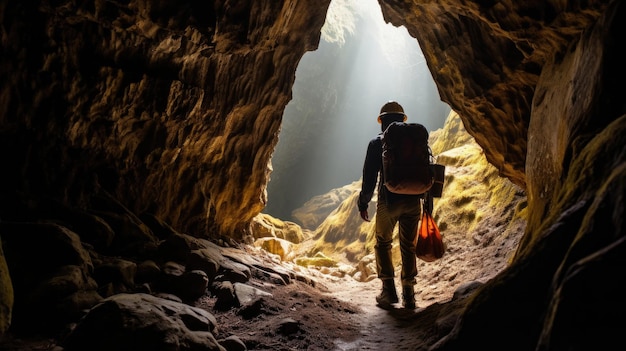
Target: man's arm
{"type": "Point", "coordinates": [371, 168]}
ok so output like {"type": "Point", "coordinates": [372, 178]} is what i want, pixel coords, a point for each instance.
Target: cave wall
{"type": "Point", "coordinates": [486, 58]}
{"type": "Point", "coordinates": [545, 102]}
{"type": "Point", "coordinates": [174, 108]}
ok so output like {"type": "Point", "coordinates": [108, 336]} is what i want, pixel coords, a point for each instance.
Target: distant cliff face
{"type": "Point", "coordinates": [173, 108]}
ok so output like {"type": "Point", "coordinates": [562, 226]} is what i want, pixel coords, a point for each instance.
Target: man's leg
{"type": "Point", "coordinates": [384, 264]}
{"type": "Point", "coordinates": [408, 234]}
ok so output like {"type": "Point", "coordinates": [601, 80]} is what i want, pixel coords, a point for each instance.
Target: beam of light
{"type": "Point", "coordinates": [361, 63]}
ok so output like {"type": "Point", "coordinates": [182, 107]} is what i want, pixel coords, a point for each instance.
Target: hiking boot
{"type": "Point", "coordinates": [408, 297]}
{"type": "Point", "coordinates": [388, 296]}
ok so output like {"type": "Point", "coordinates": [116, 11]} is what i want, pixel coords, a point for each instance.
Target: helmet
{"type": "Point", "coordinates": [391, 108]}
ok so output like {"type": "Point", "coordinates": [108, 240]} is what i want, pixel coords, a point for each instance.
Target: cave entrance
{"type": "Point", "coordinates": [361, 63]}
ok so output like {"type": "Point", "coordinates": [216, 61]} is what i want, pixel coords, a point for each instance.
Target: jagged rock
{"type": "Point", "coordinates": [276, 246]}
{"type": "Point", "coordinates": [132, 237]}
{"type": "Point", "coordinates": [264, 225]}
{"type": "Point", "coordinates": [234, 275]}
{"type": "Point", "coordinates": [174, 248]}
{"type": "Point", "coordinates": [193, 284]}
{"type": "Point", "coordinates": [233, 343]}
{"type": "Point", "coordinates": [288, 326]}
{"type": "Point", "coordinates": [172, 268]}
{"type": "Point", "coordinates": [116, 271]}
{"type": "Point", "coordinates": [245, 293]}
{"type": "Point", "coordinates": [147, 271]}
{"type": "Point", "coordinates": [270, 276]}
{"type": "Point", "coordinates": [61, 298]}
{"type": "Point", "coordinates": [92, 229]}
{"type": "Point", "coordinates": [365, 269]}
{"type": "Point", "coordinates": [252, 309]}
{"type": "Point", "coordinates": [313, 212]}
{"type": "Point", "coordinates": [319, 259]}
{"type": "Point", "coordinates": [227, 269]}
{"type": "Point", "coordinates": [176, 280]}
{"type": "Point", "coordinates": [225, 293]}
{"type": "Point", "coordinates": [265, 266]}
{"type": "Point", "coordinates": [46, 256]}
{"type": "Point", "coordinates": [143, 322]}
{"type": "Point", "coordinates": [452, 135]}
{"type": "Point", "coordinates": [199, 259]}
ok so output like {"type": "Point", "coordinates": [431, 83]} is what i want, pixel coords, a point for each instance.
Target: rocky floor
{"type": "Point", "coordinates": [330, 310]}
{"type": "Point", "coordinates": [333, 313]}
{"type": "Point", "coordinates": [336, 314]}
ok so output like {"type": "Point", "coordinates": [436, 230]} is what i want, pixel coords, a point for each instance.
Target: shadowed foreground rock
{"type": "Point", "coordinates": [144, 322]}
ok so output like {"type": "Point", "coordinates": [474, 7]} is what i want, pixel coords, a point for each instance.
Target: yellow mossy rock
{"type": "Point", "coordinates": [277, 246]}
{"type": "Point", "coordinates": [319, 259]}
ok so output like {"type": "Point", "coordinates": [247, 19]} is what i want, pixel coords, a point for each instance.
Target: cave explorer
{"type": "Point", "coordinates": [391, 209]}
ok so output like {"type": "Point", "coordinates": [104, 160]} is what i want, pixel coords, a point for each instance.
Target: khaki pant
{"type": "Point", "coordinates": [406, 213]}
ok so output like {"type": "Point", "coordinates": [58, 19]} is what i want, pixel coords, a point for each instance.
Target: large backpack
{"type": "Point", "coordinates": [407, 159]}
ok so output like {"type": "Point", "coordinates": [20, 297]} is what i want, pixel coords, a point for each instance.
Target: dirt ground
{"type": "Point", "coordinates": [335, 314]}
{"type": "Point", "coordinates": [340, 313]}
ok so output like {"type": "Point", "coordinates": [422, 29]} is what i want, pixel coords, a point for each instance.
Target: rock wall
{"type": "Point", "coordinates": [486, 59]}
{"type": "Point", "coordinates": [554, 82]}
{"type": "Point", "coordinates": [172, 107]}
{"type": "Point", "coordinates": [175, 109]}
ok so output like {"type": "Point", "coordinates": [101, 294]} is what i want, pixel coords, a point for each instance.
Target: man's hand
{"type": "Point", "coordinates": [365, 215]}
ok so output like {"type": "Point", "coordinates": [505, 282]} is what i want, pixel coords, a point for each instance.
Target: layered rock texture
{"type": "Point", "coordinates": [171, 111]}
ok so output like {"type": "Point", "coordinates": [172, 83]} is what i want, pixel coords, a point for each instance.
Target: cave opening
{"type": "Point", "coordinates": [361, 63]}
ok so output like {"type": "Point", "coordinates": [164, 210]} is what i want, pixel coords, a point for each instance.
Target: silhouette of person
{"type": "Point", "coordinates": [391, 209]}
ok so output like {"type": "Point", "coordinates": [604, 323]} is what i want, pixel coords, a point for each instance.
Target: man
{"type": "Point", "coordinates": [391, 209]}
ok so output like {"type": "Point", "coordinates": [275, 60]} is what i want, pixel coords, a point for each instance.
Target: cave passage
{"type": "Point", "coordinates": [361, 63]}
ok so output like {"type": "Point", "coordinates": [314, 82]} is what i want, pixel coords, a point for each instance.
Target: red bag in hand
{"type": "Point", "coordinates": [430, 246]}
